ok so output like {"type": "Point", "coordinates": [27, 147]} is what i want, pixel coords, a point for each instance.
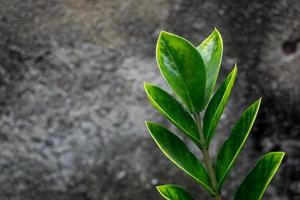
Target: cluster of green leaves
{"type": "Point", "coordinates": [192, 73]}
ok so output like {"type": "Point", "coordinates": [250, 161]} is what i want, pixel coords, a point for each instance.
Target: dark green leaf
{"type": "Point", "coordinates": [172, 109]}
{"type": "Point", "coordinates": [256, 182]}
{"type": "Point", "coordinates": [233, 145]}
{"type": "Point", "coordinates": [175, 149]}
{"type": "Point", "coordinates": [183, 68]}
{"type": "Point", "coordinates": [174, 192]}
{"type": "Point", "coordinates": [211, 50]}
{"type": "Point", "coordinates": [216, 106]}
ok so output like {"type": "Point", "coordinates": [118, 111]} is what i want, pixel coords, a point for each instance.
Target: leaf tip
{"type": "Point", "coordinates": [260, 99]}
{"type": "Point", "coordinates": [148, 124]}
{"type": "Point", "coordinates": [235, 69]}
{"type": "Point", "coordinates": [281, 154]}
{"type": "Point", "coordinates": [159, 39]}
{"type": "Point", "coordinates": [235, 66]}
{"type": "Point", "coordinates": [146, 85]}
{"type": "Point", "coordinates": [168, 36]}
{"type": "Point", "coordinates": [159, 187]}
{"type": "Point", "coordinates": [217, 32]}
{"type": "Point", "coordinates": [164, 34]}
{"type": "Point", "coordinates": [218, 35]}
{"type": "Point", "coordinates": [258, 102]}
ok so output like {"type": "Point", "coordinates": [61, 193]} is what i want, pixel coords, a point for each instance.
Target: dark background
{"type": "Point", "coordinates": [72, 104]}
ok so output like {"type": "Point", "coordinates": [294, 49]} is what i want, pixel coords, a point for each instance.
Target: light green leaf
{"type": "Point", "coordinates": [256, 182]}
{"type": "Point", "coordinates": [172, 109]}
{"type": "Point", "coordinates": [216, 106]}
{"type": "Point", "coordinates": [211, 50]}
{"type": "Point", "coordinates": [174, 192]}
{"type": "Point", "coordinates": [233, 145]}
{"type": "Point", "coordinates": [183, 69]}
{"type": "Point", "coordinates": [175, 149]}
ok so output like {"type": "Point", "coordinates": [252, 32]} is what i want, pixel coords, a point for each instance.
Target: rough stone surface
{"type": "Point", "coordinates": [72, 104]}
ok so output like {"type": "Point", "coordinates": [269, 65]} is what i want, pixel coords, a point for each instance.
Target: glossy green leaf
{"type": "Point", "coordinates": [174, 192]}
{"type": "Point", "coordinates": [172, 109]}
{"type": "Point", "coordinates": [216, 106]}
{"type": "Point", "coordinates": [256, 182]}
{"type": "Point", "coordinates": [175, 149]}
{"type": "Point", "coordinates": [233, 145]}
{"type": "Point", "coordinates": [211, 50]}
{"type": "Point", "coordinates": [183, 69]}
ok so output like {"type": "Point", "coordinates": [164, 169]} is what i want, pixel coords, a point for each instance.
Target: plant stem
{"type": "Point", "coordinates": [211, 172]}
{"type": "Point", "coordinates": [207, 158]}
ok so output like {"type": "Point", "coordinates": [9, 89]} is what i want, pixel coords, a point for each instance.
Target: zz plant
{"type": "Point", "coordinates": [192, 72]}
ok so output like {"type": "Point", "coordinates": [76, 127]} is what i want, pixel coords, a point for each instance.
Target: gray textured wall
{"type": "Point", "coordinates": [72, 104]}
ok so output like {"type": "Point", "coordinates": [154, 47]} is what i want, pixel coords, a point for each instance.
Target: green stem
{"type": "Point", "coordinates": [207, 158]}
{"type": "Point", "coordinates": [211, 172]}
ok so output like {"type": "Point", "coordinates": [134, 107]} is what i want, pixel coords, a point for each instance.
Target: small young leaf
{"type": "Point", "coordinates": [211, 50]}
{"type": "Point", "coordinates": [175, 149]}
{"type": "Point", "coordinates": [233, 145]}
{"type": "Point", "coordinates": [216, 106]}
{"type": "Point", "coordinates": [174, 192]}
{"type": "Point", "coordinates": [172, 109]}
{"type": "Point", "coordinates": [256, 182]}
{"type": "Point", "coordinates": [183, 69]}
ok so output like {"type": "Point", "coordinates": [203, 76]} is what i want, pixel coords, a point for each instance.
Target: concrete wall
{"type": "Point", "coordinates": [72, 104]}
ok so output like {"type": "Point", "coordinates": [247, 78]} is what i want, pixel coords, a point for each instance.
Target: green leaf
{"type": "Point", "coordinates": [211, 50]}
{"type": "Point", "coordinates": [174, 192]}
{"type": "Point", "coordinates": [233, 145]}
{"type": "Point", "coordinates": [175, 149]}
{"type": "Point", "coordinates": [172, 109]}
{"type": "Point", "coordinates": [216, 106]}
{"type": "Point", "coordinates": [256, 182]}
{"type": "Point", "coordinates": [183, 69]}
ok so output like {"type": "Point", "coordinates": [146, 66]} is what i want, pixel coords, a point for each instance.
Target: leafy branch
{"type": "Point", "coordinates": [192, 73]}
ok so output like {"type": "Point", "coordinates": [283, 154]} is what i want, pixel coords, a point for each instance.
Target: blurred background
{"type": "Point", "coordinates": [72, 105]}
